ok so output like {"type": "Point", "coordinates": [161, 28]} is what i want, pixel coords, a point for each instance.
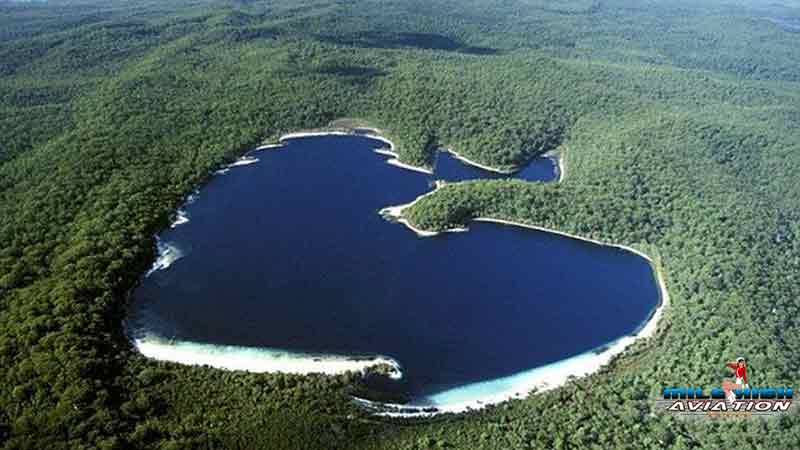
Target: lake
{"type": "Point", "coordinates": [287, 259]}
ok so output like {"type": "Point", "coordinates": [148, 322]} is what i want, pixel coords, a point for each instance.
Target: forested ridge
{"type": "Point", "coordinates": [678, 122]}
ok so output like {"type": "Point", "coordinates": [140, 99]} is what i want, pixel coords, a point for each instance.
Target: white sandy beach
{"type": "Point", "coordinates": [166, 254]}
{"type": "Point", "coordinates": [396, 213]}
{"type": "Point", "coordinates": [466, 160]}
{"type": "Point", "coordinates": [561, 156]}
{"type": "Point", "coordinates": [552, 375]}
{"type": "Point", "coordinates": [256, 359]}
{"type": "Point", "coordinates": [181, 217]}
{"type": "Point", "coordinates": [559, 160]}
{"type": "Point", "coordinates": [267, 147]}
{"type": "Point", "coordinates": [385, 152]}
{"type": "Point", "coordinates": [303, 134]}
{"type": "Point", "coordinates": [563, 233]}
{"type": "Point", "coordinates": [478, 395]}
{"type": "Point", "coordinates": [374, 134]}
{"type": "Point", "coordinates": [464, 398]}
{"type": "Point", "coordinates": [395, 161]}
{"type": "Point", "coordinates": [243, 161]}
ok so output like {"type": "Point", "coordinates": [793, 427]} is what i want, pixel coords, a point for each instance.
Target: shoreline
{"type": "Point", "coordinates": [561, 157]}
{"type": "Point", "coordinates": [540, 379]}
{"type": "Point", "coordinates": [260, 359]}
{"type": "Point", "coordinates": [266, 147]}
{"type": "Point", "coordinates": [373, 133]}
{"type": "Point", "coordinates": [396, 213]}
{"type": "Point", "coordinates": [395, 159]}
{"type": "Point", "coordinates": [648, 327]}
{"type": "Point", "coordinates": [456, 400]}
{"type": "Point", "coordinates": [565, 234]}
{"type": "Point", "coordinates": [470, 162]}
{"type": "Point", "coordinates": [529, 382]}
{"type": "Point", "coordinates": [257, 359]}
{"type": "Point", "coordinates": [562, 165]}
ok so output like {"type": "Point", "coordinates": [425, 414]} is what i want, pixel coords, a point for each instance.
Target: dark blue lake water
{"type": "Point", "coordinates": [290, 253]}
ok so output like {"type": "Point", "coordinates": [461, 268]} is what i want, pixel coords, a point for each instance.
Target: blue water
{"type": "Point", "coordinates": [291, 253]}
{"type": "Point", "coordinates": [451, 169]}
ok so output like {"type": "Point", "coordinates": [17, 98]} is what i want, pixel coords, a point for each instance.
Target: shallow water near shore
{"type": "Point", "coordinates": [285, 262]}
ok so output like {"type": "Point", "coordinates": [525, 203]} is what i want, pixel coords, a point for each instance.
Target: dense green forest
{"type": "Point", "coordinates": [679, 123]}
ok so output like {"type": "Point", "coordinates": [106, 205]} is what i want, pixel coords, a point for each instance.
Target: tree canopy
{"type": "Point", "coordinates": [678, 123]}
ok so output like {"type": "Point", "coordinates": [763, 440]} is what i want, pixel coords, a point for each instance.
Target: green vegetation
{"type": "Point", "coordinates": [679, 121]}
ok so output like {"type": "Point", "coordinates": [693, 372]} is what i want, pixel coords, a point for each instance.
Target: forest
{"type": "Point", "coordinates": [678, 123]}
